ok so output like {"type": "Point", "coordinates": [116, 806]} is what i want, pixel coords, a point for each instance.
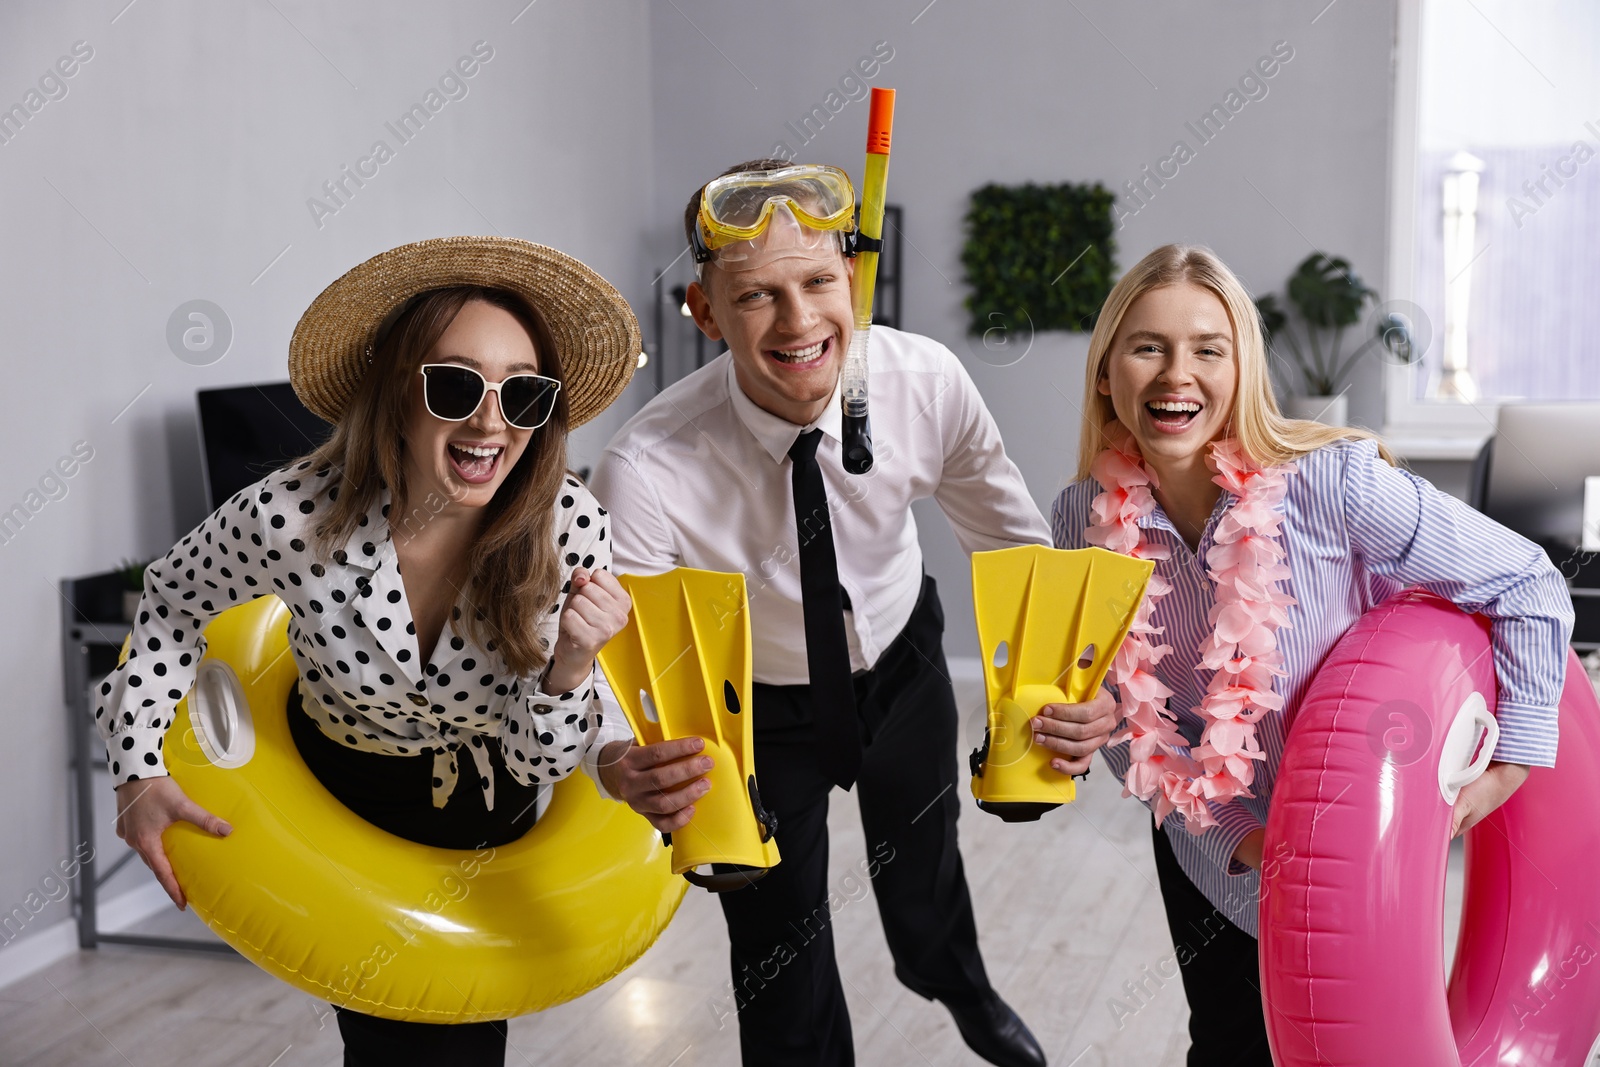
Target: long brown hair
{"type": "Point", "coordinates": [1266, 436]}
{"type": "Point", "coordinates": [513, 570]}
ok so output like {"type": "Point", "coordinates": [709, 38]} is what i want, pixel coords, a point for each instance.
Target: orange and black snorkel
{"type": "Point", "coordinates": [869, 242]}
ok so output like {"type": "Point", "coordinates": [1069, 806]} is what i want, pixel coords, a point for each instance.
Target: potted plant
{"type": "Point", "coordinates": [1327, 298]}
{"type": "Point", "coordinates": [132, 574]}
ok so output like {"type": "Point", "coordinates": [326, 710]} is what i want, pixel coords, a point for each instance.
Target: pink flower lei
{"type": "Point", "coordinates": [1246, 563]}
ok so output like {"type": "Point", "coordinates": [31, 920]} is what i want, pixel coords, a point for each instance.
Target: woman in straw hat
{"type": "Point", "coordinates": [446, 577]}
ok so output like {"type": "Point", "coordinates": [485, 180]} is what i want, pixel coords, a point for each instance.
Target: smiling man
{"type": "Point", "coordinates": [851, 684]}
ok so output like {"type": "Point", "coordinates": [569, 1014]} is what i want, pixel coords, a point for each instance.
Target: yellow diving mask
{"type": "Point", "coordinates": [739, 207]}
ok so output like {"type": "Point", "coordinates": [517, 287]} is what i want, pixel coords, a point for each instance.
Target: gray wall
{"type": "Point", "coordinates": [1048, 92]}
{"type": "Point", "coordinates": [178, 166]}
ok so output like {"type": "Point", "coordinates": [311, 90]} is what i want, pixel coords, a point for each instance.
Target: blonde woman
{"type": "Point", "coordinates": [1271, 537]}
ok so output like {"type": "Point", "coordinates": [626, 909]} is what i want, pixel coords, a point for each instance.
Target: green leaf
{"type": "Point", "coordinates": [1394, 333]}
{"type": "Point", "coordinates": [1327, 292]}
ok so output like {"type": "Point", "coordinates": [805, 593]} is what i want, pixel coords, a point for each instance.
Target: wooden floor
{"type": "Point", "coordinates": [1068, 910]}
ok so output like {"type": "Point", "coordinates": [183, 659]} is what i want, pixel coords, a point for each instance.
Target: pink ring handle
{"type": "Point", "coordinates": [1352, 891]}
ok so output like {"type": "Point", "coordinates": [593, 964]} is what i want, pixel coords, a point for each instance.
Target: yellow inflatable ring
{"type": "Point", "coordinates": [346, 912]}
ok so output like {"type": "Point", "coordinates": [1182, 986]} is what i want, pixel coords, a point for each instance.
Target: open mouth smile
{"type": "Point", "coordinates": [1173, 416]}
{"type": "Point", "coordinates": [475, 464]}
{"type": "Point", "coordinates": [804, 357]}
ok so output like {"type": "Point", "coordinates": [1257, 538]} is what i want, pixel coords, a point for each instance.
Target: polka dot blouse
{"type": "Point", "coordinates": [361, 678]}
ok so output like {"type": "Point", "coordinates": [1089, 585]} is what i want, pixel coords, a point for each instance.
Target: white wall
{"type": "Point", "coordinates": [1036, 91]}
{"type": "Point", "coordinates": [178, 166]}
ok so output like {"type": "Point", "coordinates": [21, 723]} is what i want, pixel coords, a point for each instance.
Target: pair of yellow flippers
{"type": "Point", "coordinates": [1049, 622]}
{"type": "Point", "coordinates": [681, 668]}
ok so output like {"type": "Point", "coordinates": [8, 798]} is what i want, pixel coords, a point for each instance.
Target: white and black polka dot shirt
{"type": "Point", "coordinates": [361, 678]}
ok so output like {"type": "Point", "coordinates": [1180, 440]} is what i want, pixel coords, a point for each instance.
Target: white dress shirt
{"type": "Point", "coordinates": [701, 477]}
{"type": "Point", "coordinates": [361, 678]}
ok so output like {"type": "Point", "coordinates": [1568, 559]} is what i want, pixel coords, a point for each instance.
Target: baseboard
{"type": "Point", "coordinates": [965, 668]}
{"type": "Point", "coordinates": [33, 953]}
{"type": "Point", "coordinates": [125, 909]}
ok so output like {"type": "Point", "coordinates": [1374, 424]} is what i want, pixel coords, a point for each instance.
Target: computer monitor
{"type": "Point", "coordinates": [1540, 456]}
{"type": "Point", "coordinates": [249, 431]}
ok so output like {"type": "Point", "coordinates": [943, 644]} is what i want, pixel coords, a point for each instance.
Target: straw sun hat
{"type": "Point", "coordinates": [592, 326]}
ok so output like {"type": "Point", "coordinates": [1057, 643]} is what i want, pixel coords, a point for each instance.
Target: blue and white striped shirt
{"type": "Point", "coordinates": [1356, 531]}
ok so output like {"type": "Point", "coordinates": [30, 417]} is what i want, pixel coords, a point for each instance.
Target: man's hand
{"type": "Point", "coordinates": [596, 611]}
{"type": "Point", "coordinates": [1074, 732]}
{"type": "Point", "coordinates": [147, 807]}
{"type": "Point", "coordinates": [660, 781]}
{"type": "Point", "coordinates": [1492, 789]}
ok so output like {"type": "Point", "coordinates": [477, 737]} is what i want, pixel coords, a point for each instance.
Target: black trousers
{"type": "Point", "coordinates": [1221, 972]}
{"type": "Point", "coordinates": [395, 793]}
{"type": "Point", "coordinates": [787, 988]}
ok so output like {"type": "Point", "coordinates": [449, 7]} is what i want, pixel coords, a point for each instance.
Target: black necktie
{"type": "Point", "coordinates": [827, 652]}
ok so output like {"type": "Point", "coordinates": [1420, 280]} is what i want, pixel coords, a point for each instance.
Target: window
{"type": "Point", "coordinates": [1496, 206]}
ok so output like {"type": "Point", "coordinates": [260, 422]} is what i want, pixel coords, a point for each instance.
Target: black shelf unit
{"type": "Point", "coordinates": [92, 634]}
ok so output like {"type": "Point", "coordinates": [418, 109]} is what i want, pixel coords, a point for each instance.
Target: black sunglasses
{"type": "Point", "coordinates": [453, 392]}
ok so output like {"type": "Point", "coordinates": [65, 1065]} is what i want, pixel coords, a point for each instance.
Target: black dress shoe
{"type": "Point", "coordinates": [992, 1030]}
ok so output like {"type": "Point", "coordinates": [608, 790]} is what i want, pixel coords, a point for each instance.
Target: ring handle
{"type": "Point", "coordinates": [1463, 759]}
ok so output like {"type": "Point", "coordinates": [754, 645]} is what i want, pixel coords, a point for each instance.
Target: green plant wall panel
{"type": "Point", "coordinates": [1040, 254]}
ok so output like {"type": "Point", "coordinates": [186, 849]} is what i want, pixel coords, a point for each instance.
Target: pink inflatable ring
{"type": "Point", "coordinates": [1352, 897]}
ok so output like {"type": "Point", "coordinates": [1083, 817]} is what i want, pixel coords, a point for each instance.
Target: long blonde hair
{"type": "Point", "coordinates": [1266, 436]}
{"type": "Point", "coordinates": [513, 571]}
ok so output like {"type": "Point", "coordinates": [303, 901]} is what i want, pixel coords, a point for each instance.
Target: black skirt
{"type": "Point", "coordinates": [395, 793]}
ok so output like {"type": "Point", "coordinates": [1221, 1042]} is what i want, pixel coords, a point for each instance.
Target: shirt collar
{"type": "Point", "coordinates": [778, 435]}
{"type": "Point", "coordinates": [1157, 516]}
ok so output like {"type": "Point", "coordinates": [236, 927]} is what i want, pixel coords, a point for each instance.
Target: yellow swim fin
{"type": "Point", "coordinates": [681, 668]}
{"type": "Point", "coordinates": [1049, 622]}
